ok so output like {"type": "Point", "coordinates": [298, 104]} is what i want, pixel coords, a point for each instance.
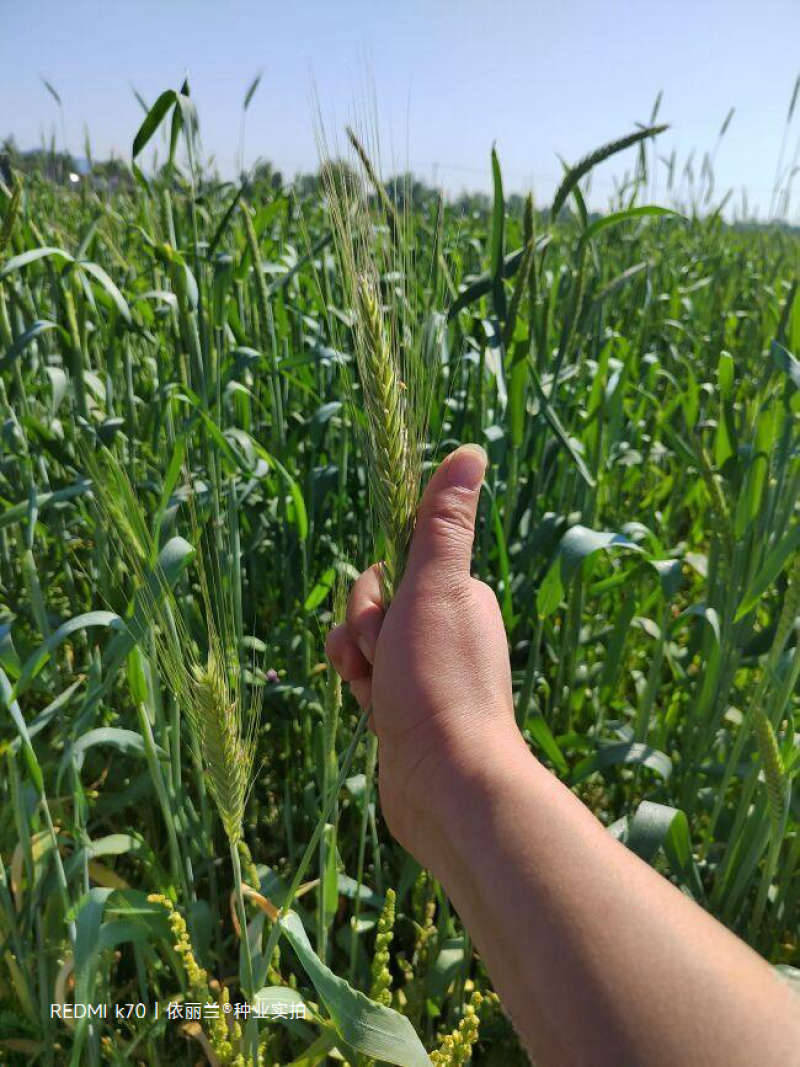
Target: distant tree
{"type": "Point", "coordinates": [408, 191]}
{"type": "Point", "coordinates": [264, 173]}
{"type": "Point", "coordinates": [306, 185]}
{"type": "Point", "coordinates": [111, 173]}
{"type": "Point", "coordinates": [472, 203]}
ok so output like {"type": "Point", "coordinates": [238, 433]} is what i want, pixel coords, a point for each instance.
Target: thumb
{"type": "Point", "coordinates": [445, 525]}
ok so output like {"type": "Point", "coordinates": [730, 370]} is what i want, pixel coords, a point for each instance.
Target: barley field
{"type": "Point", "coordinates": [219, 402]}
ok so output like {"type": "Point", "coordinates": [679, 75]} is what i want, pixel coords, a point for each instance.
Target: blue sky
{"type": "Point", "coordinates": [539, 79]}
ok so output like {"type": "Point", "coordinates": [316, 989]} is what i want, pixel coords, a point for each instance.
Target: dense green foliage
{"type": "Point", "coordinates": [632, 380]}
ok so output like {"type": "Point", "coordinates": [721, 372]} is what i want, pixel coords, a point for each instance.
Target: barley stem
{"type": "Point", "coordinates": [311, 847]}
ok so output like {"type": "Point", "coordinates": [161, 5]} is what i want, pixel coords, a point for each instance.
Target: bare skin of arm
{"type": "Point", "coordinates": [597, 959]}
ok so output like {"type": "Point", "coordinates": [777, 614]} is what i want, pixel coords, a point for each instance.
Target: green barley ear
{"type": "Point", "coordinates": [227, 755]}
{"type": "Point", "coordinates": [395, 334]}
{"type": "Point", "coordinates": [583, 166]}
{"type": "Point", "coordinates": [391, 480]}
{"type": "Point", "coordinates": [207, 685]}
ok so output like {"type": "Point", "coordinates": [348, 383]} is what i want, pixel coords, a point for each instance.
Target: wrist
{"type": "Point", "coordinates": [459, 784]}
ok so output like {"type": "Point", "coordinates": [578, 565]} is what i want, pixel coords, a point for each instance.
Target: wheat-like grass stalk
{"type": "Point", "coordinates": [208, 689]}
{"type": "Point", "coordinates": [787, 617]}
{"type": "Point", "coordinates": [207, 685]}
{"type": "Point", "coordinates": [12, 211]}
{"type": "Point", "coordinates": [574, 174]}
{"type": "Point", "coordinates": [209, 693]}
{"type": "Point", "coordinates": [388, 351]}
{"type": "Point", "coordinates": [772, 766]}
{"type": "Point", "coordinates": [393, 345]}
{"type": "Point", "coordinates": [266, 325]}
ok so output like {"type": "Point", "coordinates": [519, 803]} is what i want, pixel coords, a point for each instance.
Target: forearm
{"type": "Point", "coordinates": [596, 957]}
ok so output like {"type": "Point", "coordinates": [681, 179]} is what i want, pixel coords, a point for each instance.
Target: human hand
{"type": "Point", "coordinates": [435, 667]}
{"type": "Point", "coordinates": [558, 909]}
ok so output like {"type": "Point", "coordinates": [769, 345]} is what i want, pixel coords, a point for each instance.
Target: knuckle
{"type": "Point", "coordinates": [486, 594]}
{"type": "Point", "coordinates": [332, 643]}
{"type": "Point", "coordinates": [364, 619]}
{"type": "Point", "coordinates": [446, 590]}
{"type": "Point", "coordinates": [366, 584]}
{"type": "Point", "coordinates": [458, 591]}
{"type": "Point", "coordinates": [451, 522]}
